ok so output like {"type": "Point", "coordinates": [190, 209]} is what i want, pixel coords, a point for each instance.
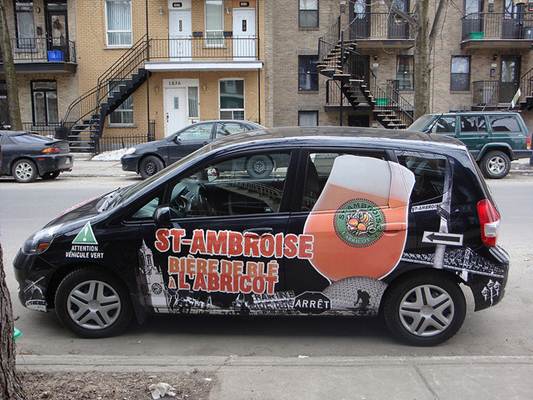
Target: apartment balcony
{"type": "Point", "coordinates": [497, 31]}
{"type": "Point", "coordinates": [381, 30]}
{"type": "Point", "coordinates": [493, 94]}
{"type": "Point", "coordinates": [214, 53]}
{"type": "Point", "coordinates": [41, 55]}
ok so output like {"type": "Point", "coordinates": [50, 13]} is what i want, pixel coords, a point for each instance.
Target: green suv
{"type": "Point", "coordinates": [493, 138]}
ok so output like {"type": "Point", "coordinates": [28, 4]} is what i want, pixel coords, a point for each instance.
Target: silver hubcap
{"type": "Point", "coordinates": [259, 166]}
{"type": "Point", "coordinates": [94, 305]}
{"type": "Point", "coordinates": [426, 310]}
{"type": "Point", "coordinates": [24, 171]}
{"type": "Point", "coordinates": [496, 165]}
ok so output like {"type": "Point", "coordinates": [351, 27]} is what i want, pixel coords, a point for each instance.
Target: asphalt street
{"type": "Point", "coordinates": [502, 331]}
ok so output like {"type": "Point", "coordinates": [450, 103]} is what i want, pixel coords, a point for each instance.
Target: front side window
{"type": "Point", "coordinates": [308, 14]}
{"type": "Point", "coordinates": [44, 97]}
{"type": "Point", "coordinates": [251, 184]}
{"type": "Point", "coordinates": [214, 22]}
{"type": "Point", "coordinates": [506, 123]}
{"type": "Point", "coordinates": [123, 115]}
{"type": "Point", "coordinates": [232, 99]}
{"type": "Point", "coordinates": [200, 132]}
{"type": "Point", "coordinates": [405, 72]}
{"type": "Point", "coordinates": [307, 73]}
{"type": "Point", "coordinates": [473, 123]}
{"type": "Point", "coordinates": [118, 13]}
{"type": "Point", "coordinates": [25, 24]}
{"type": "Point", "coordinates": [445, 125]}
{"type": "Point", "coordinates": [307, 118]}
{"type": "Point", "coordinates": [460, 73]}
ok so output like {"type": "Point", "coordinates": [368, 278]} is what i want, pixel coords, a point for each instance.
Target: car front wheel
{"type": "Point", "coordinates": [93, 304]}
{"type": "Point", "coordinates": [149, 166]}
{"type": "Point", "coordinates": [24, 171]}
{"type": "Point", "coordinates": [495, 165]}
{"type": "Point", "coordinates": [424, 310]}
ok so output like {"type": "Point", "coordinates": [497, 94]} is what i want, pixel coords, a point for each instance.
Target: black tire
{"type": "Point", "coordinates": [65, 304]}
{"type": "Point", "coordinates": [259, 166]}
{"type": "Point", "coordinates": [150, 165]}
{"type": "Point", "coordinates": [50, 175]}
{"type": "Point", "coordinates": [404, 289]}
{"type": "Point", "coordinates": [495, 164]}
{"type": "Point", "coordinates": [24, 171]}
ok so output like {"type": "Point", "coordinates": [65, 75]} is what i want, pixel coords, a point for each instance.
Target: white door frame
{"type": "Point", "coordinates": [242, 45]}
{"type": "Point", "coordinates": [180, 83]}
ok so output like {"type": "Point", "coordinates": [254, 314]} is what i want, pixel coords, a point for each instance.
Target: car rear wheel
{"type": "Point", "coordinates": [495, 165]}
{"type": "Point", "coordinates": [424, 310]}
{"type": "Point", "coordinates": [50, 175]}
{"type": "Point", "coordinates": [24, 171]}
{"type": "Point", "coordinates": [149, 166]}
{"type": "Point", "coordinates": [259, 166]}
{"type": "Point", "coordinates": [93, 304]}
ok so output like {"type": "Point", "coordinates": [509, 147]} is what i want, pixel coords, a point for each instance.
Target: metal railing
{"type": "Point", "coordinates": [483, 26]}
{"type": "Point", "coordinates": [43, 50]}
{"type": "Point", "coordinates": [486, 93]}
{"type": "Point", "coordinates": [106, 143]}
{"type": "Point", "coordinates": [377, 26]}
{"type": "Point", "coordinates": [205, 48]}
{"type": "Point", "coordinates": [526, 84]}
{"type": "Point", "coordinates": [41, 129]}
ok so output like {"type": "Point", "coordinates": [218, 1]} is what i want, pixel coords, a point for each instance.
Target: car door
{"type": "Point", "coordinates": [473, 132]}
{"type": "Point", "coordinates": [354, 204]}
{"type": "Point", "coordinates": [190, 139]}
{"type": "Point", "coordinates": [220, 251]}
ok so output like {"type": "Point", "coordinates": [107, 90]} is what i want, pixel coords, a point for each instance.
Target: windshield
{"type": "Point", "coordinates": [421, 123]}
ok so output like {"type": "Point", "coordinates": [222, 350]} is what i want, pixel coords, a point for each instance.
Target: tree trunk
{"type": "Point", "coordinates": [9, 71]}
{"type": "Point", "coordinates": [421, 59]}
{"type": "Point", "coordinates": [10, 385]}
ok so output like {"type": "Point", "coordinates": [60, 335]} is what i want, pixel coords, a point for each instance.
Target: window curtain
{"type": "Point", "coordinates": [118, 22]}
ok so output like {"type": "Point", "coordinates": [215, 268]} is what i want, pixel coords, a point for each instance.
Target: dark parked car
{"type": "Point", "coordinates": [350, 225]}
{"type": "Point", "coordinates": [493, 137]}
{"type": "Point", "coordinates": [148, 158]}
{"type": "Point", "coordinates": [26, 156]}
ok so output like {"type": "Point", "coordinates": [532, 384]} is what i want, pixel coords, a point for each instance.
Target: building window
{"type": "Point", "coordinates": [25, 28]}
{"type": "Point", "coordinates": [4, 107]}
{"type": "Point", "coordinates": [307, 73]}
{"type": "Point", "coordinates": [307, 118]}
{"type": "Point", "coordinates": [123, 115]}
{"type": "Point", "coordinates": [118, 17]}
{"type": "Point", "coordinates": [232, 99]}
{"type": "Point", "coordinates": [193, 101]}
{"type": "Point", "coordinates": [460, 74]}
{"type": "Point", "coordinates": [44, 102]}
{"type": "Point", "coordinates": [214, 22]}
{"type": "Point", "coordinates": [405, 72]}
{"type": "Point", "coordinates": [308, 14]}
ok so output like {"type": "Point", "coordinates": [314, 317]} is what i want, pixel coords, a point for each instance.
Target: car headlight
{"type": "Point", "coordinates": [38, 243]}
{"type": "Point", "coordinates": [131, 150]}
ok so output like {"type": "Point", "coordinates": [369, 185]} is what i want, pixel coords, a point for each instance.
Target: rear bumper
{"type": "Point", "coordinates": [522, 154]}
{"type": "Point", "coordinates": [54, 162]}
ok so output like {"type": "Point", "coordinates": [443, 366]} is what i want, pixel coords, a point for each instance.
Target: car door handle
{"type": "Point", "coordinates": [258, 231]}
{"type": "Point", "coordinates": [394, 226]}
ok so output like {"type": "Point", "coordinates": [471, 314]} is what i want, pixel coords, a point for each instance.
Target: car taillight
{"type": "Point", "coordinates": [528, 142]}
{"type": "Point", "coordinates": [489, 221]}
{"type": "Point", "coordinates": [51, 150]}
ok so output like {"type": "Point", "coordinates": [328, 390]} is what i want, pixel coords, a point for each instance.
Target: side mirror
{"type": "Point", "coordinates": [177, 139]}
{"type": "Point", "coordinates": [163, 216]}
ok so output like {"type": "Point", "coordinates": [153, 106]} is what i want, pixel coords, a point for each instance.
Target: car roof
{"type": "Point", "coordinates": [476, 112]}
{"type": "Point", "coordinates": [13, 133]}
{"type": "Point", "coordinates": [241, 121]}
{"type": "Point", "coordinates": [338, 136]}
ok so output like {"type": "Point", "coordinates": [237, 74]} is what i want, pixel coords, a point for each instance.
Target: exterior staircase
{"type": "Point", "coordinates": [84, 119]}
{"type": "Point", "coordinates": [526, 88]}
{"type": "Point", "coordinates": [340, 62]}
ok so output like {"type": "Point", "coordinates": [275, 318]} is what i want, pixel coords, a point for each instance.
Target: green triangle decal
{"type": "Point", "coordinates": [85, 236]}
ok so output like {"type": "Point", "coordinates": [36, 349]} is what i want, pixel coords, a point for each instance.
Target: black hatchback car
{"type": "Point", "coordinates": [148, 158]}
{"type": "Point", "coordinates": [349, 222]}
{"type": "Point", "coordinates": [26, 156]}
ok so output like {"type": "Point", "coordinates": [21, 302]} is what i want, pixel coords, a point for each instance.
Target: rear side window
{"type": "Point", "coordinates": [505, 123]}
{"type": "Point", "coordinates": [445, 125]}
{"type": "Point", "coordinates": [473, 123]}
{"type": "Point", "coordinates": [430, 173]}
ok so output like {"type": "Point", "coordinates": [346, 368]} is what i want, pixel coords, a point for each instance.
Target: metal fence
{"type": "Point", "coordinates": [380, 26]}
{"type": "Point", "coordinates": [43, 50]}
{"type": "Point", "coordinates": [107, 143]}
{"type": "Point", "coordinates": [481, 26]}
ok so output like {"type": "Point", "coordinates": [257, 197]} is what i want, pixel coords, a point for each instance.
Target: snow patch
{"type": "Point", "coordinates": [113, 155]}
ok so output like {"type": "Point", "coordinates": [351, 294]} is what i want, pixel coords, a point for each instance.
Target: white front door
{"type": "Point", "coordinates": [176, 116]}
{"type": "Point", "coordinates": [244, 34]}
{"type": "Point", "coordinates": [180, 35]}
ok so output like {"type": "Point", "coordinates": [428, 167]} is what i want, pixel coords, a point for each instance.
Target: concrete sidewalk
{"type": "Point", "coordinates": [461, 377]}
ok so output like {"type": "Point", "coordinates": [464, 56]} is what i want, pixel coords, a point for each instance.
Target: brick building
{"type": "Point", "coordinates": [140, 69]}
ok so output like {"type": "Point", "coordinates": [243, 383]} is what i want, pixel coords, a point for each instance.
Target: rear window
{"type": "Point", "coordinates": [504, 123]}
{"type": "Point", "coordinates": [30, 138]}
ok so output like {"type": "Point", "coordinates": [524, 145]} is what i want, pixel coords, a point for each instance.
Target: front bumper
{"type": "Point", "coordinates": [33, 282]}
{"type": "Point", "coordinates": [130, 162]}
{"type": "Point", "coordinates": [54, 162]}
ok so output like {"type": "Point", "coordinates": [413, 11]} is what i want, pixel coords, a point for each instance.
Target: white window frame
{"type": "Point", "coordinates": [207, 39]}
{"type": "Point", "coordinates": [243, 99]}
{"type": "Point", "coordinates": [107, 31]}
